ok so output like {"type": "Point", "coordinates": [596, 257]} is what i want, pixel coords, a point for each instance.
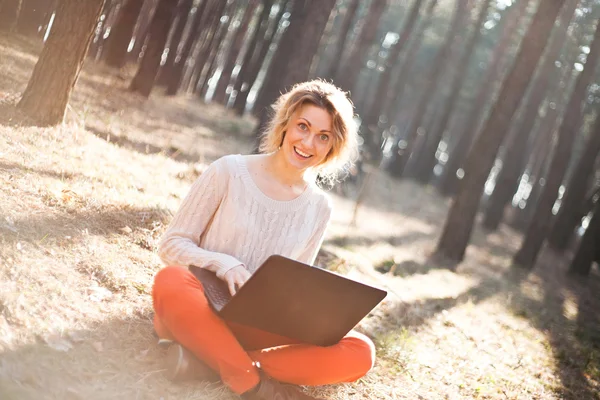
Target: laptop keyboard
{"type": "Point", "coordinates": [216, 297]}
{"type": "Point", "coordinates": [215, 290]}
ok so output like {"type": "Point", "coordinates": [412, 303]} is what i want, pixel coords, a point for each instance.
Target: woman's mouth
{"type": "Point", "coordinates": [301, 153]}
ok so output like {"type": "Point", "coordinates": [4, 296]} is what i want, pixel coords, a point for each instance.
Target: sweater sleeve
{"type": "Point", "coordinates": [180, 243]}
{"type": "Point", "coordinates": [309, 254]}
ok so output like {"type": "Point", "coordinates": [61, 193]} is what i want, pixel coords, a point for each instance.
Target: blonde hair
{"type": "Point", "coordinates": [333, 100]}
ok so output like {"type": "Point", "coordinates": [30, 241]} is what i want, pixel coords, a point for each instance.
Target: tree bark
{"type": "Point", "coordinates": [536, 232]}
{"type": "Point", "coordinates": [47, 94]}
{"type": "Point", "coordinates": [449, 182]}
{"type": "Point", "coordinates": [143, 81]}
{"type": "Point", "coordinates": [427, 160]}
{"type": "Point", "coordinates": [253, 60]}
{"type": "Point", "coordinates": [327, 39]}
{"type": "Point", "coordinates": [395, 96]}
{"type": "Point", "coordinates": [371, 117]}
{"type": "Point", "coordinates": [9, 14]}
{"type": "Point", "coordinates": [234, 52]}
{"type": "Point", "coordinates": [175, 44]}
{"type": "Point", "coordinates": [516, 152]}
{"type": "Point", "coordinates": [459, 223]}
{"type": "Point", "coordinates": [291, 62]}
{"type": "Point", "coordinates": [207, 44]}
{"type": "Point", "coordinates": [340, 44]}
{"type": "Point", "coordinates": [214, 53]}
{"type": "Point", "coordinates": [587, 252]}
{"type": "Point", "coordinates": [540, 162]}
{"type": "Point", "coordinates": [292, 59]}
{"type": "Point", "coordinates": [398, 162]}
{"type": "Point", "coordinates": [347, 77]}
{"type": "Point", "coordinates": [142, 31]}
{"type": "Point", "coordinates": [174, 77]}
{"type": "Point", "coordinates": [33, 15]}
{"type": "Point", "coordinates": [121, 33]}
{"type": "Point", "coordinates": [569, 215]}
{"type": "Point", "coordinates": [98, 35]}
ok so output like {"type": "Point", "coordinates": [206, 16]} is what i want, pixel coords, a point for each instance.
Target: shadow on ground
{"type": "Point", "coordinates": [396, 240]}
{"type": "Point", "coordinates": [128, 364]}
{"type": "Point", "coordinates": [145, 148]}
{"type": "Point", "coordinates": [72, 224]}
{"type": "Point", "coordinates": [575, 342]}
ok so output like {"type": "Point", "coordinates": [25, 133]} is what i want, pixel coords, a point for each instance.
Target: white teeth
{"type": "Point", "coordinates": [301, 153]}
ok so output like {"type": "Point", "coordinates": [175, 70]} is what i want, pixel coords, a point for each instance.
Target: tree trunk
{"type": "Point", "coordinates": [327, 38]}
{"type": "Point", "coordinates": [33, 15]}
{"type": "Point", "coordinates": [459, 223]}
{"type": "Point", "coordinates": [121, 33]}
{"type": "Point", "coordinates": [587, 252]}
{"type": "Point", "coordinates": [57, 69]}
{"type": "Point", "coordinates": [292, 59]}
{"type": "Point", "coordinates": [9, 14]}
{"type": "Point", "coordinates": [175, 44]}
{"type": "Point", "coordinates": [233, 53]}
{"type": "Point", "coordinates": [207, 45]}
{"type": "Point", "coordinates": [536, 232]}
{"type": "Point", "coordinates": [398, 162]}
{"type": "Point", "coordinates": [540, 162]}
{"type": "Point", "coordinates": [569, 216]}
{"type": "Point", "coordinates": [449, 181]}
{"type": "Point", "coordinates": [98, 35]}
{"type": "Point", "coordinates": [253, 60]}
{"type": "Point", "coordinates": [291, 62]}
{"type": "Point", "coordinates": [371, 117]}
{"type": "Point", "coordinates": [516, 152]}
{"type": "Point", "coordinates": [142, 31]}
{"type": "Point", "coordinates": [174, 75]}
{"type": "Point", "coordinates": [340, 44]}
{"type": "Point", "coordinates": [347, 77]}
{"type": "Point", "coordinates": [427, 160]}
{"type": "Point", "coordinates": [143, 81]}
{"type": "Point", "coordinates": [276, 69]}
{"type": "Point", "coordinates": [395, 96]}
{"type": "Point", "coordinates": [214, 53]}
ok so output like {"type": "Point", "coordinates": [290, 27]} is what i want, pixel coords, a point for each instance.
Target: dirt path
{"type": "Point", "coordinates": [83, 205]}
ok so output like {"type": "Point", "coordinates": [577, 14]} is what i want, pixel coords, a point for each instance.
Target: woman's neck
{"type": "Point", "coordinates": [283, 172]}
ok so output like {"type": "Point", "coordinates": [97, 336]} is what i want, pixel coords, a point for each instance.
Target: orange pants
{"type": "Point", "coordinates": [182, 313]}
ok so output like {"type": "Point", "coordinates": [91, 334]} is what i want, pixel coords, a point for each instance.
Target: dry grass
{"type": "Point", "coordinates": [81, 209]}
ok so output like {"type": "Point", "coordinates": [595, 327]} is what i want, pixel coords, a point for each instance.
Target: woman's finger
{"type": "Point", "coordinates": [231, 285]}
{"type": "Point", "coordinates": [239, 282]}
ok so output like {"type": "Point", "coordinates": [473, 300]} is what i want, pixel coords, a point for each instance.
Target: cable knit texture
{"type": "Point", "coordinates": [226, 221]}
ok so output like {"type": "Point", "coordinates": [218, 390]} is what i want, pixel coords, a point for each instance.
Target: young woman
{"type": "Point", "coordinates": [240, 211]}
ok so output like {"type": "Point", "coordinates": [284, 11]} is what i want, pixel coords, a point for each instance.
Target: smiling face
{"type": "Point", "coordinates": [308, 138]}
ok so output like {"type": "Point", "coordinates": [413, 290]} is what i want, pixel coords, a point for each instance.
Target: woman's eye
{"type": "Point", "coordinates": [324, 137]}
{"type": "Point", "coordinates": [303, 126]}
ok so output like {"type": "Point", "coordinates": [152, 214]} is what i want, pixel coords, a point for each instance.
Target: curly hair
{"type": "Point", "coordinates": [345, 132]}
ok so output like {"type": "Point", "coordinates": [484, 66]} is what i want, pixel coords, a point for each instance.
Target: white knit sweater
{"type": "Point", "coordinates": [226, 220]}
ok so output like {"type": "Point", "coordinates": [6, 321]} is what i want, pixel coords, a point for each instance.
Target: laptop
{"type": "Point", "coordinates": [293, 299]}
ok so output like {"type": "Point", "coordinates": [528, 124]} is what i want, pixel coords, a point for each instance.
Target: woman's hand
{"type": "Point", "coordinates": [235, 278]}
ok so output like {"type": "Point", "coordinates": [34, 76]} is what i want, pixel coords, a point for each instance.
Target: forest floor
{"type": "Point", "coordinates": [83, 205]}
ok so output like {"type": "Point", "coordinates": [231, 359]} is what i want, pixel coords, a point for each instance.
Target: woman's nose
{"type": "Point", "coordinates": [308, 140]}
